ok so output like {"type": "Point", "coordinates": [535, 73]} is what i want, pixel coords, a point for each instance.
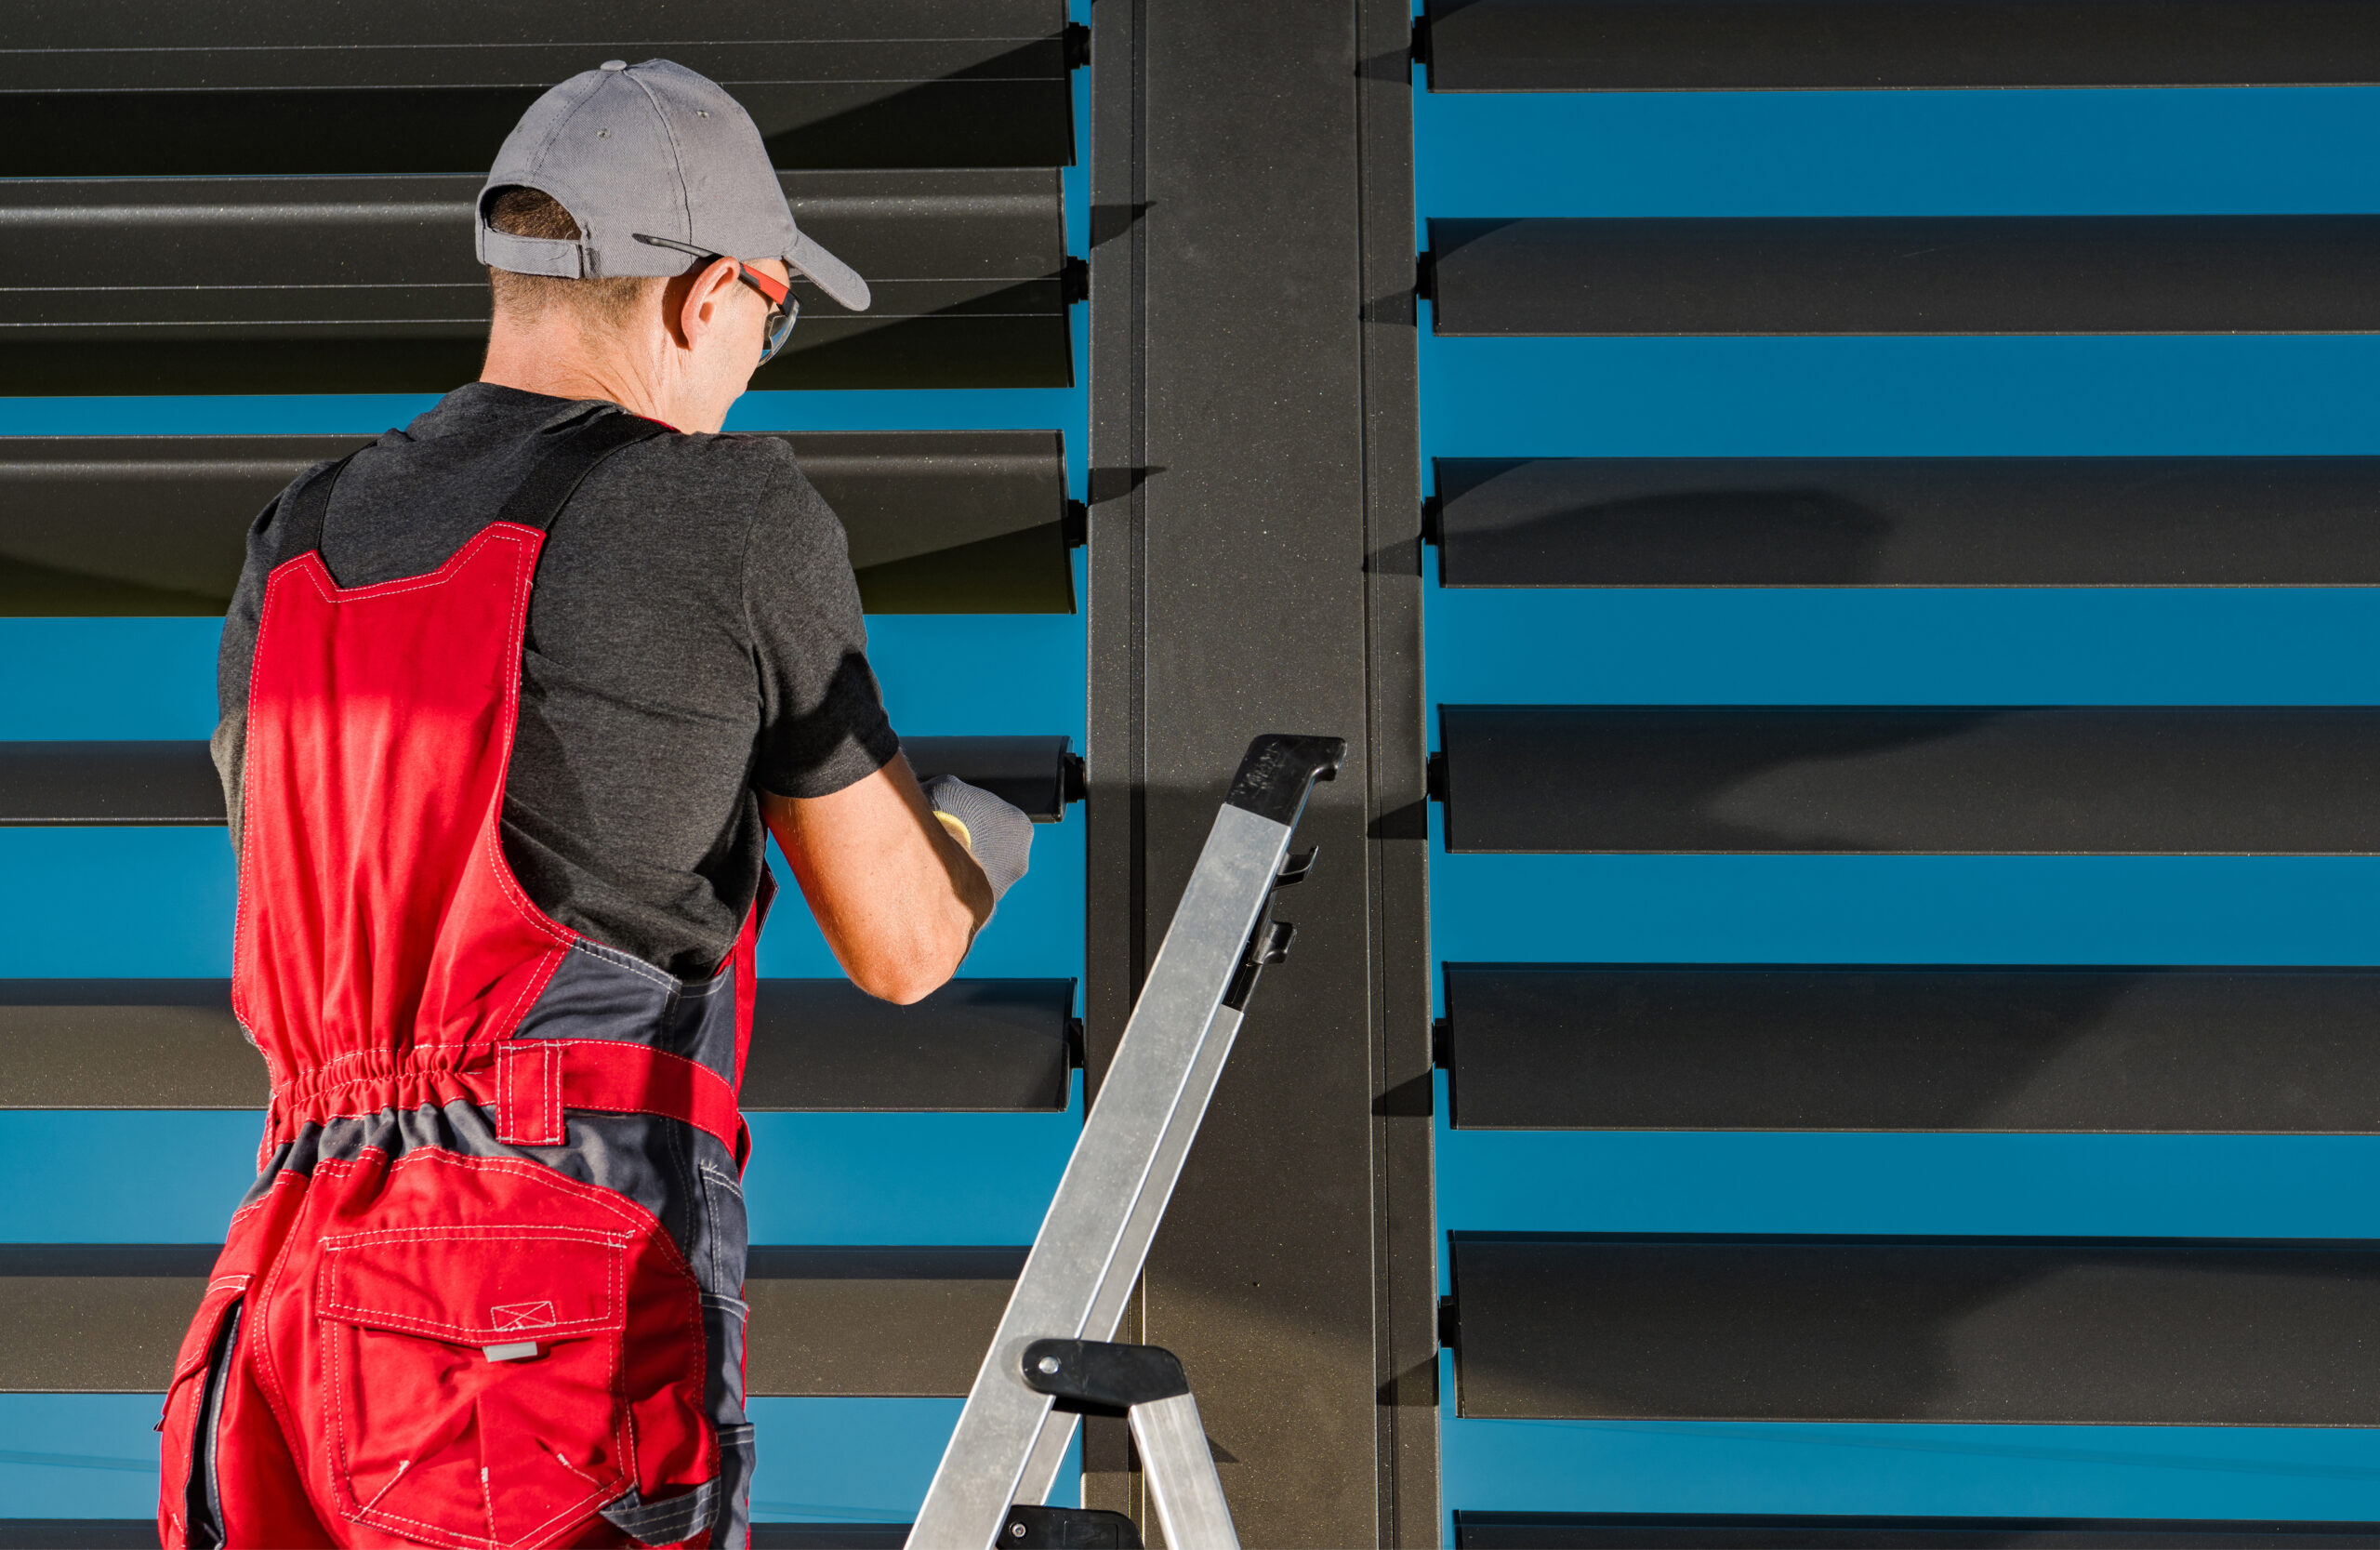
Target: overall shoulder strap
{"type": "Point", "coordinates": [301, 518]}
{"type": "Point", "coordinates": [558, 474]}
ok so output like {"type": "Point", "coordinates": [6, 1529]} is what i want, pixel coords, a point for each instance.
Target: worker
{"type": "Point", "coordinates": [511, 701]}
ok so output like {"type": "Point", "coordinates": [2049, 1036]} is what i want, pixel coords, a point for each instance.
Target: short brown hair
{"type": "Point", "coordinates": [527, 212]}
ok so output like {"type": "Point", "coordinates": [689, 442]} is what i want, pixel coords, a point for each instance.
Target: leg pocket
{"type": "Point", "coordinates": [473, 1379]}
{"type": "Point", "coordinates": [188, 1513]}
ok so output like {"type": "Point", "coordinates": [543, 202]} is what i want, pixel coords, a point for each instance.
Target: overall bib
{"type": "Point", "coordinates": [484, 1291]}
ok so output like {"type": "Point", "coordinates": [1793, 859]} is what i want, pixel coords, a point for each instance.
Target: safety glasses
{"type": "Point", "coordinates": [784, 308]}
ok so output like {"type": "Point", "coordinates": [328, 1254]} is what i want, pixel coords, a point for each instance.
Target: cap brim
{"type": "Point", "coordinates": [829, 273]}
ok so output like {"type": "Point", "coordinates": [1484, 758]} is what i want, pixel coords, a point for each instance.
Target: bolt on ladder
{"type": "Point", "coordinates": [1051, 1359]}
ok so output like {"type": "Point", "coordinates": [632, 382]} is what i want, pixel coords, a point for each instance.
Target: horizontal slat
{"type": "Point", "coordinates": [2057, 1331]}
{"type": "Point", "coordinates": [1981, 780]}
{"type": "Point", "coordinates": [1554, 1531]}
{"type": "Point", "coordinates": [895, 1321]}
{"type": "Point", "coordinates": [1908, 522]}
{"type": "Point", "coordinates": [874, 1321]}
{"type": "Point", "coordinates": [938, 521]}
{"type": "Point", "coordinates": [975, 1044]}
{"type": "Point", "coordinates": [368, 285]}
{"type": "Point", "coordinates": [1908, 274]}
{"type": "Point", "coordinates": [1717, 1047]}
{"type": "Point", "coordinates": [150, 784]}
{"type": "Point", "coordinates": [1848, 45]}
{"type": "Point", "coordinates": [133, 89]}
{"type": "Point", "coordinates": [990, 1045]}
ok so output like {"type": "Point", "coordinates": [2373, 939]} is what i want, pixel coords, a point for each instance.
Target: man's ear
{"type": "Point", "coordinates": [696, 311]}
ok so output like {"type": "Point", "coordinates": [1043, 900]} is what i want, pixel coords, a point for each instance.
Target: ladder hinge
{"type": "Point", "coordinates": [1068, 1528]}
{"type": "Point", "coordinates": [1078, 1052]}
{"type": "Point", "coordinates": [1425, 278]}
{"type": "Point", "coordinates": [1077, 524]}
{"type": "Point", "coordinates": [1074, 279]}
{"type": "Point", "coordinates": [1441, 1044]}
{"type": "Point", "coordinates": [1422, 40]}
{"type": "Point", "coordinates": [1076, 40]}
{"type": "Point", "coordinates": [1435, 776]}
{"type": "Point", "coordinates": [1433, 521]}
{"type": "Point", "coordinates": [1075, 778]}
{"type": "Point", "coordinates": [1450, 1325]}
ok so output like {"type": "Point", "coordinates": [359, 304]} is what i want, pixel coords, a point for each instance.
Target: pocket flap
{"type": "Point", "coordinates": [477, 1286]}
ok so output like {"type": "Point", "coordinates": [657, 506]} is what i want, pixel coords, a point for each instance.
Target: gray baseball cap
{"type": "Point", "coordinates": [650, 151]}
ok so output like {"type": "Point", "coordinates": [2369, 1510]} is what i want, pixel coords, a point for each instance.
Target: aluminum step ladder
{"type": "Point", "coordinates": [1051, 1360]}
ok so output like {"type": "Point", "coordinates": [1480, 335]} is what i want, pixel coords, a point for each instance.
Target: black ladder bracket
{"type": "Point", "coordinates": [1068, 1529]}
{"type": "Point", "coordinates": [1099, 1377]}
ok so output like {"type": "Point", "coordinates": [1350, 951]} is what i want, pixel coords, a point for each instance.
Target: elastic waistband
{"type": "Point", "coordinates": [528, 1084]}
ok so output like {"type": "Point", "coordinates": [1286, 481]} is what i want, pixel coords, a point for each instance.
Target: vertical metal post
{"type": "Point", "coordinates": [1255, 561]}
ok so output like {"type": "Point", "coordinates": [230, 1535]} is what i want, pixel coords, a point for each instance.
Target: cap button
{"type": "Point", "coordinates": [616, 64]}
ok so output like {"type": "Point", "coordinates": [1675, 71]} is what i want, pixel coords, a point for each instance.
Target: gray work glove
{"type": "Point", "coordinates": [998, 836]}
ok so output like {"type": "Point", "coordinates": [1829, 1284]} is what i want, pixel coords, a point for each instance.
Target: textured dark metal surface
{"type": "Point", "coordinates": [124, 1043]}
{"type": "Point", "coordinates": [1981, 780]}
{"type": "Point", "coordinates": [107, 1319]}
{"type": "Point", "coordinates": [1908, 274]}
{"type": "Point", "coordinates": [938, 521]}
{"type": "Point", "coordinates": [110, 783]}
{"type": "Point", "coordinates": [78, 1533]}
{"type": "Point", "coordinates": [1908, 522]}
{"type": "Point", "coordinates": [975, 1044]}
{"type": "Point", "coordinates": [1028, 772]}
{"type": "Point", "coordinates": [97, 1317]}
{"type": "Point", "coordinates": [830, 1536]}
{"type": "Point", "coordinates": [149, 784]}
{"type": "Point", "coordinates": [368, 285]}
{"type": "Point", "coordinates": [1554, 1531]}
{"type": "Point", "coordinates": [873, 1321]}
{"type": "Point", "coordinates": [1846, 45]}
{"type": "Point", "coordinates": [145, 88]}
{"type": "Point", "coordinates": [1255, 568]}
{"type": "Point", "coordinates": [2058, 1330]}
{"type": "Point", "coordinates": [1714, 1047]}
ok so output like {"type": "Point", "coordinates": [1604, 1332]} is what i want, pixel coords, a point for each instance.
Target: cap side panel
{"type": "Point", "coordinates": [677, 161]}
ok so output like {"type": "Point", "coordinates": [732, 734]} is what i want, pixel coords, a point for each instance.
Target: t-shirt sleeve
{"type": "Point", "coordinates": [823, 724]}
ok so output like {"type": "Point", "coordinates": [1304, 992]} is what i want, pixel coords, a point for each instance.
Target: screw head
{"type": "Point", "coordinates": [1016, 1529]}
{"type": "Point", "coordinates": [1047, 1365]}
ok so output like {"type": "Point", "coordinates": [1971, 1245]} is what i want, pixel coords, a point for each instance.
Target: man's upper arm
{"type": "Point", "coordinates": [823, 724]}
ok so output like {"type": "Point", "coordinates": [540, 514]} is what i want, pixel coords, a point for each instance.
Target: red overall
{"type": "Point", "coordinates": [485, 1292]}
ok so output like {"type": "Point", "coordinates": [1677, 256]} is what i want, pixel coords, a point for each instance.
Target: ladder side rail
{"type": "Point", "coordinates": [1077, 1251]}
{"type": "Point", "coordinates": [1179, 1466]}
{"type": "Point", "coordinates": [1114, 1291]}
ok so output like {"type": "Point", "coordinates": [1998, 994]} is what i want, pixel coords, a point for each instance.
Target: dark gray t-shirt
{"type": "Point", "coordinates": [694, 633]}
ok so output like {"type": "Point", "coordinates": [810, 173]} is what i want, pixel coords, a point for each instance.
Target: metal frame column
{"type": "Point", "coordinates": [1255, 565]}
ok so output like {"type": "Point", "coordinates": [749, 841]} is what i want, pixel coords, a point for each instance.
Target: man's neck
{"type": "Point", "coordinates": [552, 357]}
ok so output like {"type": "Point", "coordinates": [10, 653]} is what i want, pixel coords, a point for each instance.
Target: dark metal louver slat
{"type": "Point", "coordinates": [134, 89]}
{"type": "Point", "coordinates": [1955, 781]}
{"type": "Point", "coordinates": [1850, 45]}
{"type": "Point", "coordinates": [107, 1319]}
{"type": "Point", "coordinates": [938, 521]}
{"type": "Point", "coordinates": [2054, 1331]}
{"type": "Point", "coordinates": [150, 784]}
{"type": "Point", "coordinates": [1782, 1047]}
{"type": "Point", "coordinates": [368, 285]}
{"type": "Point", "coordinates": [988, 1045]}
{"type": "Point", "coordinates": [1554, 1531]}
{"type": "Point", "coordinates": [1907, 275]}
{"type": "Point", "coordinates": [1908, 522]}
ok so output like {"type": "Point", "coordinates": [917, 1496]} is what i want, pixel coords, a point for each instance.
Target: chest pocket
{"type": "Point", "coordinates": [473, 1380]}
